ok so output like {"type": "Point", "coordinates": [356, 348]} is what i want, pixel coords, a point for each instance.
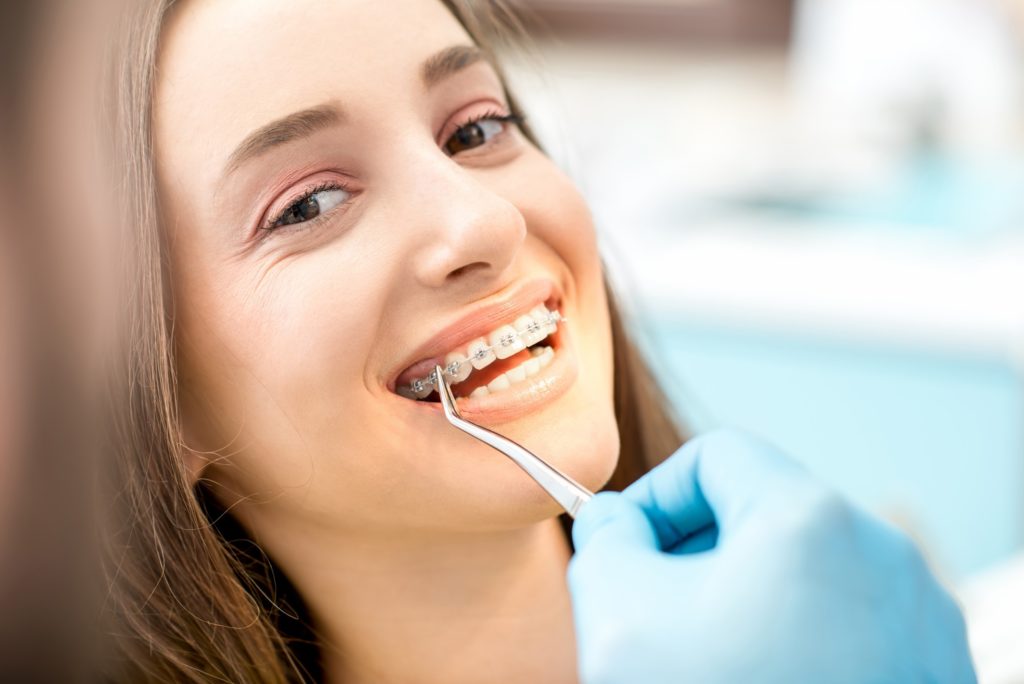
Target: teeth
{"type": "Point", "coordinates": [517, 374]}
{"type": "Point", "coordinates": [521, 372]}
{"type": "Point", "coordinates": [422, 388]}
{"type": "Point", "coordinates": [479, 392]}
{"type": "Point", "coordinates": [553, 320]}
{"type": "Point", "coordinates": [499, 383]}
{"type": "Point", "coordinates": [505, 342]}
{"type": "Point", "coordinates": [456, 367]}
{"type": "Point", "coordinates": [530, 331]}
{"type": "Point", "coordinates": [480, 354]}
{"type": "Point", "coordinates": [544, 320]}
{"type": "Point", "coordinates": [502, 343]}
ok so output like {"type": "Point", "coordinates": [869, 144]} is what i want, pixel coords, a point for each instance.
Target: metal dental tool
{"type": "Point", "coordinates": [567, 492]}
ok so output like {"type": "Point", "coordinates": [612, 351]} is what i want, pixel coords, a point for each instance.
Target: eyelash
{"type": "Point", "coordinates": [493, 115]}
{"type": "Point", "coordinates": [271, 225]}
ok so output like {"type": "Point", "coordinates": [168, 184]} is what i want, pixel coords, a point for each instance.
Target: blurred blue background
{"type": "Point", "coordinates": [815, 210]}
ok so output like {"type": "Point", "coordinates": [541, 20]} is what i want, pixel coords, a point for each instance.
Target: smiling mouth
{"type": "Point", "coordinates": [509, 355]}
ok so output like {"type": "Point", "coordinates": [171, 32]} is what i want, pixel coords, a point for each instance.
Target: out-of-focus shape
{"type": "Point", "coordinates": [50, 303]}
{"type": "Point", "coordinates": [826, 241]}
{"type": "Point", "coordinates": [994, 604]}
{"type": "Point", "coordinates": [916, 102]}
{"type": "Point", "coordinates": [692, 22]}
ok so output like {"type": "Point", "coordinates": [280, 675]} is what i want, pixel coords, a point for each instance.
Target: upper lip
{"type": "Point", "coordinates": [483, 317]}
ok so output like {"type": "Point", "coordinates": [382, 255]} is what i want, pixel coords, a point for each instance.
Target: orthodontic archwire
{"type": "Point", "coordinates": [506, 340]}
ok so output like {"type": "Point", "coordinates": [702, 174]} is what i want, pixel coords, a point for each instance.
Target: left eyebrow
{"type": "Point", "coordinates": [448, 62]}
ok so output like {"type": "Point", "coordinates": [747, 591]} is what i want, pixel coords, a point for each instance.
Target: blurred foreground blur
{"type": "Point", "coordinates": [52, 326]}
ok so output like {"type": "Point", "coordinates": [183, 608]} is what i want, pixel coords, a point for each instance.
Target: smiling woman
{"type": "Point", "coordinates": [320, 209]}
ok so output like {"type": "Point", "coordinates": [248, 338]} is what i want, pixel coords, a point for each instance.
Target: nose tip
{"type": "Point", "coordinates": [474, 244]}
{"type": "Point", "coordinates": [466, 229]}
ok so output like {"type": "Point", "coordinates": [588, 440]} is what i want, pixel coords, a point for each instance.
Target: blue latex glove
{"type": "Point", "coordinates": [729, 563]}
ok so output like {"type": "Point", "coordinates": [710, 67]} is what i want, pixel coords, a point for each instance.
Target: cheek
{"type": "Point", "coordinates": [557, 214]}
{"type": "Point", "coordinates": [560, 221]}
{"type": "Point", "coordinates": [266, 361]}
{"type": "Point", "coordinates": [559, 218]}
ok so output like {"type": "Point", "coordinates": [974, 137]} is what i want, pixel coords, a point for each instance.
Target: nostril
{"type": "Point", "coordinates": [468, 268]}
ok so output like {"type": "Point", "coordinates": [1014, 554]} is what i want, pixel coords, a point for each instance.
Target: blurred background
{"type": "Point", "coordinates": [816, 209]}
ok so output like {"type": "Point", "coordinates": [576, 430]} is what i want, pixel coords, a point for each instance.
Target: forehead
{"type": "Point", "coordinates": [227, 66]}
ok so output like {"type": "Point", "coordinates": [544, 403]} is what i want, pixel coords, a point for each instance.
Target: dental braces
{"type": "Point", "coordinates": [507, 340]}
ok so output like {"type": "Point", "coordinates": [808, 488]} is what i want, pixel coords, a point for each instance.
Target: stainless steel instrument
{"type": "Point", "coordinates": [569, 494]}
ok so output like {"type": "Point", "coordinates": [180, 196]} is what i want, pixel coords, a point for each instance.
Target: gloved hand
{"type": "Point", "coordinates": [729, 563]}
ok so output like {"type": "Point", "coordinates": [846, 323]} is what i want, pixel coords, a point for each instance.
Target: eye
{"type": "Point", "coordinates": [312, 205]}
{"type": "Point", "coordinates": [478, 132]}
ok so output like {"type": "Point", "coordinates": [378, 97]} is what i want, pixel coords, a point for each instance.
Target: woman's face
{"type": "Point", "coordinates": [335, 221]}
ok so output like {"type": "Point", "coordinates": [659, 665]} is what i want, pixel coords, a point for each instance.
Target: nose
{"type": "Point", "coordinates": [465, 230]}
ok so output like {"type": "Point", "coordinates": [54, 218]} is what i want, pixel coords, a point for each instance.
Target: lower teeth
{"type": "Point", "coordinates": [540, 357]}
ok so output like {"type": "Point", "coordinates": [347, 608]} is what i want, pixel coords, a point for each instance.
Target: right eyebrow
{"type": "Point", "coordinates": [285, 130]}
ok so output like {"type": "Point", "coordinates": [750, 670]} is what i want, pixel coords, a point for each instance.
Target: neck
{"type": "Point", "coordinates": [471, 608]}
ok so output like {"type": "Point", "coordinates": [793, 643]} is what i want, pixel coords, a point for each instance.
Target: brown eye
{"type": "Point", "coordinates": [305, 210]}
{"type": "Point", "coordinates": [311, 206]}
{"type": "Point", "coordinates": [476, 133]}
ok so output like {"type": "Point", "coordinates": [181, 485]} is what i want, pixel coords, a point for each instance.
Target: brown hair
{"type": "Point", "coordinates": [190, 599]}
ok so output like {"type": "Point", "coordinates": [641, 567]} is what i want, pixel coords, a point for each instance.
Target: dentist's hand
{"type": "Point", "coordinates": [728, 563]}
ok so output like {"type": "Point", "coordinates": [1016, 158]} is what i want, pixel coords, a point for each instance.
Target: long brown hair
{"type": "Point", "coordinates": [190, 598]}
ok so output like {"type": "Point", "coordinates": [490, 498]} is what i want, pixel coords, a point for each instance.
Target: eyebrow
{"type": "Point", "coordinates": [301, 124]}
{"type": "Point", "coordinates": [285, 130]}
{"type": "Point", "coordinates": [449, 61]}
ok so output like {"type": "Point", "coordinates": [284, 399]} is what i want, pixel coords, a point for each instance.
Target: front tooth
{"type": "Point", "coordinates": [506, 342]}
{"type": "Point", "coordinates": [479, 392]}
{"type": "Point", "coordinates": [532, 367]}
{"type": "Point", "coordinates": [479, 354]}
{"type": "Point", "coordinates": [546, 356]}
{"type": "Point", "coordinates": [529, 331]}
{"type": "Point", "coordinates": [499, 383]}
{"type": "Point", "coordinates": [457, 362]}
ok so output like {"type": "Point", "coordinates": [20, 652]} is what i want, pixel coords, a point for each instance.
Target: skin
{"type": "Point", "coordinates": [424, 556]}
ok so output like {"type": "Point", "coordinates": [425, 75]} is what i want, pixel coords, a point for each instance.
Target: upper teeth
{"type": "Point", "coordinates": [501, 343]}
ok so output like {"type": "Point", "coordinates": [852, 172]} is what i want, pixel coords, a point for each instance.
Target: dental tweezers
{"type": "Point", "coordinates": [569, 494]}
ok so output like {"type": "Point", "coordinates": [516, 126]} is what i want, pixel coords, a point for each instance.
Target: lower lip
{"type": "Point", "coordinates": [523, 398]}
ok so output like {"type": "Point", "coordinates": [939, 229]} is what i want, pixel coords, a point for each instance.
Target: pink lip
{"type": "Point", "coordinates": [481, 319]}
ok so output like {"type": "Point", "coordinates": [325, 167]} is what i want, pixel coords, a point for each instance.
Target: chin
{"type": "Point", "coordinates": [582, 442]}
